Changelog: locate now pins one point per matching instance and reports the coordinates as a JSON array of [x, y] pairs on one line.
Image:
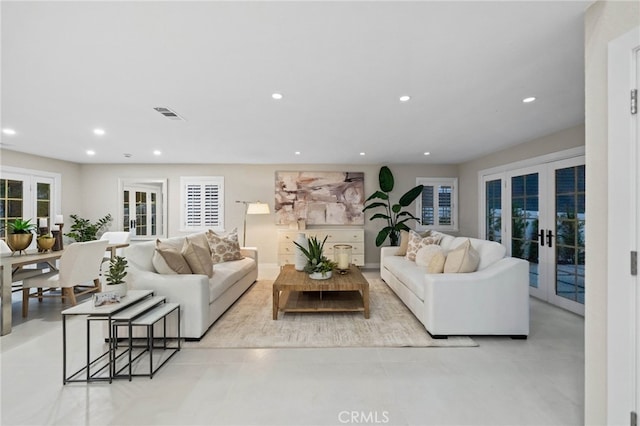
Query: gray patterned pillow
[[224, 248]]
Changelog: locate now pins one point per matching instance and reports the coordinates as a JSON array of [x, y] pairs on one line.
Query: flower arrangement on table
[[318, 266]]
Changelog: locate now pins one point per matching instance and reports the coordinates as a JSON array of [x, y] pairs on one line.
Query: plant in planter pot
[[115, 275], [318, 266], [45, 242], [395, 217], [84, 230], [20, 234]]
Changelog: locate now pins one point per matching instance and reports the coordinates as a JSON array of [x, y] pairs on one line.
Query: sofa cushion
[[224, 248], [446, 240], [408, 273], [462, 259], [417, 241], [226, 274], [174, 259], [198, 256], [160, 265]]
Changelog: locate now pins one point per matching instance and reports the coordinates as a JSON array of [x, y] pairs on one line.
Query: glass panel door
[[140, 212], [493, 210]]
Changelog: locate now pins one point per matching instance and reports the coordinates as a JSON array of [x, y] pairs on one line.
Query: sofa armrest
[[190, 291], [251, 252]]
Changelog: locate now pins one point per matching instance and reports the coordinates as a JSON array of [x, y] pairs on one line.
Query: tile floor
[[539, 381]]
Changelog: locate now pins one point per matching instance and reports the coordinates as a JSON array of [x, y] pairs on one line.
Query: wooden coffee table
[[340, 293]]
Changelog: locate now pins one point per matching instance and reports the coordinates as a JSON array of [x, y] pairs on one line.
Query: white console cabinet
[[354, 237]]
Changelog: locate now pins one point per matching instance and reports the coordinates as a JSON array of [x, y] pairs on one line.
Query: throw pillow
[[416, 241], [436, 264], [404, 241], [160, 264], [198, 257], [463, 258], [224, 249], [173, 257], [426, 253]]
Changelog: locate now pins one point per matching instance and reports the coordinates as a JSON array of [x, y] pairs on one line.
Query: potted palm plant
[[318, 266], [20, 234], [395, 217], [115, 275]]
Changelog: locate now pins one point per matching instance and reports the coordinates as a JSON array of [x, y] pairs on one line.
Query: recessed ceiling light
[[277, 96], [427, 153], [362, 153], [10, 132], [157, 152], [297, 152], [404, 98], [99, 132], [529, 99], [91, 152]]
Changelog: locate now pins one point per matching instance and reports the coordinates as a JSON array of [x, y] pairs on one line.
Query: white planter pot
[[320, 276], [120, 289]]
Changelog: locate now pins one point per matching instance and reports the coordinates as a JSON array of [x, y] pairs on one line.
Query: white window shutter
[[203, 203]]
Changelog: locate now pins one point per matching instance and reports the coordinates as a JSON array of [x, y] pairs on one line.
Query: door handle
[[541, 238], [549, 238]]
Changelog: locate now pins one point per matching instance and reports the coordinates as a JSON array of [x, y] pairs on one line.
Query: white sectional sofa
[[202, 299], [494, 300]]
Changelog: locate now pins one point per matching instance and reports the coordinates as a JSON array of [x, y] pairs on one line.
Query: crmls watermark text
[[363, 417]]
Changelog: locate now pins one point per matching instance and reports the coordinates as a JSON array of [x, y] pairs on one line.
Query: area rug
[[249, 324]]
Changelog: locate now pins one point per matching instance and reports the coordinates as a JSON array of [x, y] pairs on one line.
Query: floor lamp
[[252, 207]]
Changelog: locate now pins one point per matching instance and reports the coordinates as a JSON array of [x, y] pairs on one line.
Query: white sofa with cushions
[[492, 300], [202, 298]]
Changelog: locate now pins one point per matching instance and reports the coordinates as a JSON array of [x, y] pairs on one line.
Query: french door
[[142, 216], [538, 213]]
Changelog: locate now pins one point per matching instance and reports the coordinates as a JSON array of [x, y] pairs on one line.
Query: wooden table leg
[[365, 301], [276, 302]]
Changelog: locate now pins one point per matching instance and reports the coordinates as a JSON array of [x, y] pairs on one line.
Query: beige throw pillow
[[173, 257], [160, 264], [404, 241], [436, 264], [463, 258], [416, 242], [198, 257], [426, 253], [224, 248]]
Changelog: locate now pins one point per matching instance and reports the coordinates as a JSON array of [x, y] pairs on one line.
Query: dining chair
[[79, 268], [115, 237]]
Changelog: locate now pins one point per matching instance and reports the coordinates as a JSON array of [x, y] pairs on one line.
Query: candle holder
[[57, 234], [342, 256]]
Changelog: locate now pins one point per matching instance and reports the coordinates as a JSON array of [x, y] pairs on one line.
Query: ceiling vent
[[172, 115]]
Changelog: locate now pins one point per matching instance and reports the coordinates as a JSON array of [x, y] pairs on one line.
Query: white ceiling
[[70, 67]]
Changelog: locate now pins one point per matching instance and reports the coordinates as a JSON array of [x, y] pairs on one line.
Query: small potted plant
[[45, 242], [115, 275], [318, 266], [20, 234]]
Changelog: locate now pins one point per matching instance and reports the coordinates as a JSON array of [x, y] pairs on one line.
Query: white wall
[[99, 186], [468, 172], [604, 21]]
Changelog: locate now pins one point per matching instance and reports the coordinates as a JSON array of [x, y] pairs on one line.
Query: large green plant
[[395, 217], [83, 230]]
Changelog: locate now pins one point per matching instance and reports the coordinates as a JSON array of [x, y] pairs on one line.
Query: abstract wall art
[[320, 198]]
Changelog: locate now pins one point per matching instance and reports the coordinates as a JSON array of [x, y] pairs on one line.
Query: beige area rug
[[248, 324]]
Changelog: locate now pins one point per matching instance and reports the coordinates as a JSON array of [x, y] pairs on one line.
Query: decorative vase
[[19, 242], [321, 275], [45, 243], [119, 289], [300, 259], [342, 257]]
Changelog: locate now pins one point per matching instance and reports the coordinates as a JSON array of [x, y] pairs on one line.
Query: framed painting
[[319, 198]]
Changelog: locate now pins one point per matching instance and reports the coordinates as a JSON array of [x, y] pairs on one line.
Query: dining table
[[13, 262]]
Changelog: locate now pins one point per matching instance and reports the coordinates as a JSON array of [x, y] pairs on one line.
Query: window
[[27, 194], [437, 207], [202, 203]]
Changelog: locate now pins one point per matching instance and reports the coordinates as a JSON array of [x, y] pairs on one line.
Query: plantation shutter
[[203, 203]]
